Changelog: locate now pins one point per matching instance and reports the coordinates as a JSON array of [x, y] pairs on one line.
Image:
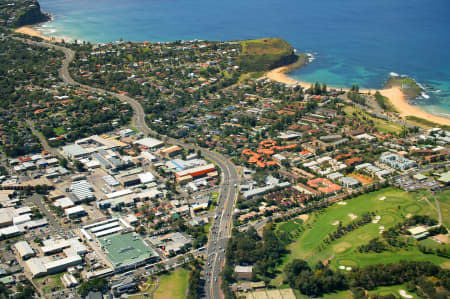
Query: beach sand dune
[[395, 95]]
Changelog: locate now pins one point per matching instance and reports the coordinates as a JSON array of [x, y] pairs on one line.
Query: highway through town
[[221, 228]]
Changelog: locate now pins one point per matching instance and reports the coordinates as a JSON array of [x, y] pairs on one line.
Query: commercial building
[[75, 212], [69, 280], [130, 180], [45, 266], [196, 171], [127, 251], [150, 143], [82, 190], [68, 254], [146, 177], [24, 249], [171, 151], [64, 203], [52, 246], [75, 151]]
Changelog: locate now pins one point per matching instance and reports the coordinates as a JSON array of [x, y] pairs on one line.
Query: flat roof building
[[24, 249], [75, 151], [125, 251], [75, 212], [196, 171], [150, 143]]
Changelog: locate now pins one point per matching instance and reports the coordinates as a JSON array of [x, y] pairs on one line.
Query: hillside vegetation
[[265, 54]]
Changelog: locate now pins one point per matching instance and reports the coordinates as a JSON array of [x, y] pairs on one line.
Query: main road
[[221, 228]]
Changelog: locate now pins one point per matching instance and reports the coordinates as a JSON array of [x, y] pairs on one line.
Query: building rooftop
[[126, 249], [149, 142]]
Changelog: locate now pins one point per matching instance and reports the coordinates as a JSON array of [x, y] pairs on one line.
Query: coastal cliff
[[31, 15], [266, 54], [15, 14]]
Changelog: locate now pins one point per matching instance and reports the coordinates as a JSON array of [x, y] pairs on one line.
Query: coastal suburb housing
[[194, 167]]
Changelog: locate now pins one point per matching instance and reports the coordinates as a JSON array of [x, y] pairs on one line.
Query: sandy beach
[[394, 94], [33, 32]]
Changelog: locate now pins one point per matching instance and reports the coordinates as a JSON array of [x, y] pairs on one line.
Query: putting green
[[388, 219], [347, 262], [412, 208]]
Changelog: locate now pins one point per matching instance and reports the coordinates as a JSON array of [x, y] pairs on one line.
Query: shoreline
[[394, 94], [31, 31]]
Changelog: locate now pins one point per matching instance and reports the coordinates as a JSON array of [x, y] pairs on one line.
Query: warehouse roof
[[149, 142], [74, 150], [24, 249]]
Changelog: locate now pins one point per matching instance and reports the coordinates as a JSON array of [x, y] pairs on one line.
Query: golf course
[[389, 206]]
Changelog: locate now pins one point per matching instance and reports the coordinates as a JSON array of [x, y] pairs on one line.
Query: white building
[[24, 249]]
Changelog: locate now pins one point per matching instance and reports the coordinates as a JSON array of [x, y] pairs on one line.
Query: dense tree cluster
[[247, 248], [322, 279], [94, 285], [23, 291], [314, 282], [195, 284]]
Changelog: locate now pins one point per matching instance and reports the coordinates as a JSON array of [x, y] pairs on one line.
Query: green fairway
[[444, 202], [173, 285], [343, 251]]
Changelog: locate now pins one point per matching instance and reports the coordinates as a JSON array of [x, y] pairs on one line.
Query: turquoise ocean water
[[353, 41]]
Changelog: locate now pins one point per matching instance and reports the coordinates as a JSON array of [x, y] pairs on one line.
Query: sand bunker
[[382, 198], [352, 216], [404, 294], [303, 217], [377, 219], [335, 223], [342, 203]]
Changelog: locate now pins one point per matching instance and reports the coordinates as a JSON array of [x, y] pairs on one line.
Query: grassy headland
[[421, 122], [409, 86], [266, 54]]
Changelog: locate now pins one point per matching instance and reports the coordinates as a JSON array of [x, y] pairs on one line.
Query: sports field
[[173, 285], [394, 208], [124, 249]]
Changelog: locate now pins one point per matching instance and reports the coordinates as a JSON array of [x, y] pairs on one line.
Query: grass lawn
[[380, 124], [51, 283], [343, 251], [173, 285]]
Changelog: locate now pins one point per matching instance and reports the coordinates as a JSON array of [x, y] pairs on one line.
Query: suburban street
[[221, 228]]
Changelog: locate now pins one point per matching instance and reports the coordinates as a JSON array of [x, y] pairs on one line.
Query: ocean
[[353, 41]]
